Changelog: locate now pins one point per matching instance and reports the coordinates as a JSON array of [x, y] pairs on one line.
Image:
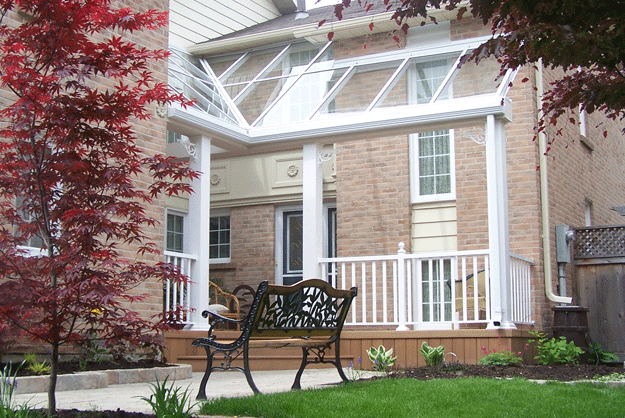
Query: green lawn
[[412, 398]]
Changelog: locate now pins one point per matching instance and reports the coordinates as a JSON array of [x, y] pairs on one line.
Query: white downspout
[[544, 194]]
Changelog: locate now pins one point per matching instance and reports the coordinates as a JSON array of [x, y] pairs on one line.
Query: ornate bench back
[[309, 308]]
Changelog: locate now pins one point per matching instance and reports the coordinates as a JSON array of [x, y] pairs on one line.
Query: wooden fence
[[599, 272]]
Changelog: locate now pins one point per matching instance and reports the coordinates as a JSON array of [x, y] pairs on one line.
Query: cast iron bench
[[309, 314]]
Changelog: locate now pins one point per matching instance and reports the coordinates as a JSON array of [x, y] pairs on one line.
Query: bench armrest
[[217, 318]]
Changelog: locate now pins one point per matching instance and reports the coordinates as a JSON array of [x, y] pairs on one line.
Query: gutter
[[544, 195]]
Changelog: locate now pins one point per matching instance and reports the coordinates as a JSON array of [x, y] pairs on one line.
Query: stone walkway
[[221, 384]]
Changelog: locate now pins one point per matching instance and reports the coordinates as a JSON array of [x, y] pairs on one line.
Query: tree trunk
[[54, 368]]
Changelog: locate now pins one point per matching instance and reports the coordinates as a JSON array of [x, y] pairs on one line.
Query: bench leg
[[298, 376], [337, 361], [246, 368], [201, 395]]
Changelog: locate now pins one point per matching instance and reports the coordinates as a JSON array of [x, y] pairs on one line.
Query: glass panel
[[357, 93], [175, 236], [429, 76], [472, 80], [294, 235], [434, 163], [221, 64], [219, 236], [398, 94], [251, 66], [186, 77], [426, 186], [259, 97], [301, 97], [440, 282]]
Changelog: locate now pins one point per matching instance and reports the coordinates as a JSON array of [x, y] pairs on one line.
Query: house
[[349, 159], [329, 157]]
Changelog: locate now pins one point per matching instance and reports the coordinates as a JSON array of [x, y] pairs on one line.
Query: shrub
[[501, 358], [555, 351]]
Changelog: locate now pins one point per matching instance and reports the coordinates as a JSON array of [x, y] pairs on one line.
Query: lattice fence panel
[[599, 242]]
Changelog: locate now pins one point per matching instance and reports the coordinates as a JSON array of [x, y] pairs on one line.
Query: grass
[[471, 397]]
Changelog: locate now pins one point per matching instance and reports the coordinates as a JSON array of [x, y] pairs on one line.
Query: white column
[[199, 230], [498, 235], [312, 248]]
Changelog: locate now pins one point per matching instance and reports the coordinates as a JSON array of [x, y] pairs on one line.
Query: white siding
[[195, 21]]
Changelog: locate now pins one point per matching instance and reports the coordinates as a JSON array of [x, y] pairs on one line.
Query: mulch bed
[[563, 373]]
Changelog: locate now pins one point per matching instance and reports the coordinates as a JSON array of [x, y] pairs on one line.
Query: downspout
[[544, 194]]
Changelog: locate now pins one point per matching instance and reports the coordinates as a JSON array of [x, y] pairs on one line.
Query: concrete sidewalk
[[221, 384]]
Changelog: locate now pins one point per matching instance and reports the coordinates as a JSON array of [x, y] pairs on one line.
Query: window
[[173, 137], [434, 160], [429, 76], [175, 233], [219, 246], [35, 241], [431, 153]]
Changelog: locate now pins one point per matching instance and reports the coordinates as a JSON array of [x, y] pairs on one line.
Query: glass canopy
[[302, 81]]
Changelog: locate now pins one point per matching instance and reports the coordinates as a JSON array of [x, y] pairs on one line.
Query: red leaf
[[330, 36]]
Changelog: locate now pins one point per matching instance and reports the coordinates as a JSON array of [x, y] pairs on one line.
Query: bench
[[309, 314]]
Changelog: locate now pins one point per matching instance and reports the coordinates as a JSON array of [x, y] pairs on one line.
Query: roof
[[355, 22]]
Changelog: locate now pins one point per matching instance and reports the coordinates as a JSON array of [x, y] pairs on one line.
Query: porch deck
[[466, 344]]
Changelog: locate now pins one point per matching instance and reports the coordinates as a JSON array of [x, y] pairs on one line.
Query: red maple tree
[[73, 181]]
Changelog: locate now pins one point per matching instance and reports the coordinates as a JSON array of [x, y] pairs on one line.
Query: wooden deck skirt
[[467, 346]]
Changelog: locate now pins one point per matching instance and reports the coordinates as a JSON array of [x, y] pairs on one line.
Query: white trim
[[467, 111]]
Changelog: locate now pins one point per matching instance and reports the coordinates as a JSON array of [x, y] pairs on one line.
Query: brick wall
[[151, 138], [373, 198], [252, 248]]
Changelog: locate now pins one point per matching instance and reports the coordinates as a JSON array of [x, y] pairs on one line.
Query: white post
[[312, 234], [199, 231], [498, 235], [401, 284]]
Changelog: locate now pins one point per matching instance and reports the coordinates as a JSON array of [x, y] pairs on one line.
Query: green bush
[[434, 356], [555, 351], [501, 358]]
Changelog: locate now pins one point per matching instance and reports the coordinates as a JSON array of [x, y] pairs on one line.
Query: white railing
[[520, 289], [426, 291], [176, 296]]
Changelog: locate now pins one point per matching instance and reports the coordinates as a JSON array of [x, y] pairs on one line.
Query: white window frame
[[221, 213], [415, 195]]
